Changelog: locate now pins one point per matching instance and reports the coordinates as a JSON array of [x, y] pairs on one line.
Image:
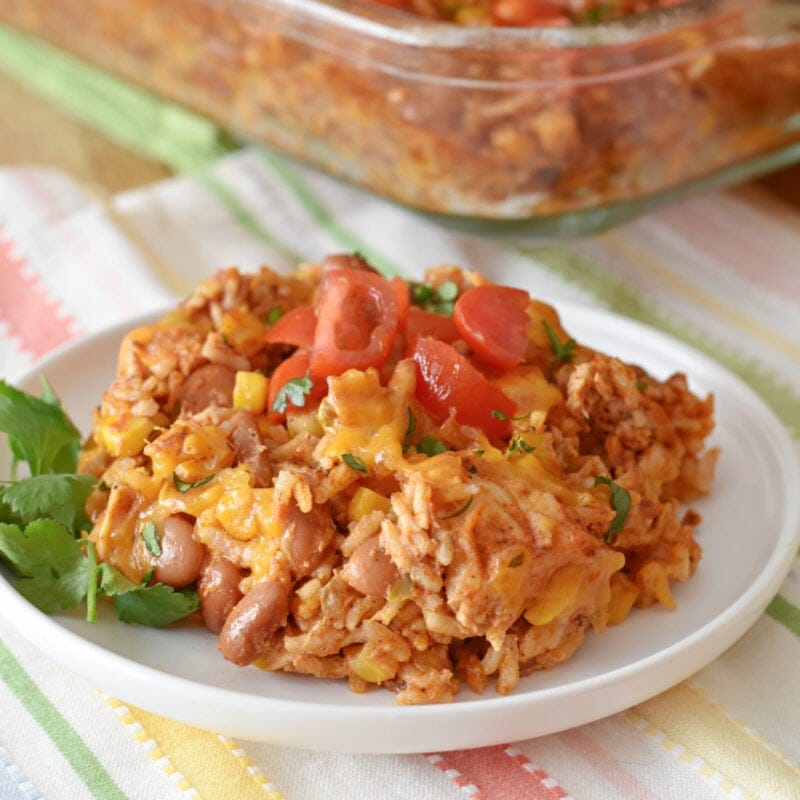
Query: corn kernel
[[370, 669], [509, 577], [141, 481], [558, 595], [653, 576], [401, 589], [235, 512], [366, 501], [244, 512], [623, 595], [250, 391], [301, 421], [267, 518], [123, 435], [204, 451], [540, 312], [243, 331]]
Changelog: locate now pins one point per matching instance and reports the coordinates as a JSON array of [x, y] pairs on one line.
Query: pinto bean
[[181, 556], [253, 620], [305, 537], [218, 589], [209, 385], [249, 446], [369, 569]]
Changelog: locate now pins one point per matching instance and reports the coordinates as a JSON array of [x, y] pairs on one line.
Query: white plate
[[749, 536]]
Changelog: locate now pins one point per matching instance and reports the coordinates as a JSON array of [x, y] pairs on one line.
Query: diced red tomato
[[357, 322], [528, 12], [447, 383], [403, 302], [493, 322], [294, 327], [296, 366], [426, 323]]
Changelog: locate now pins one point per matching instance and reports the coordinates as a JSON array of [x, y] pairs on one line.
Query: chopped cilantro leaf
[[620, 502], [641, 385], [150, 536], [440, 299], [294, 391], [184, 486], [447, 291], [410, 428], [498, 414], [431, 446], [562, 351], [354, 462], [599, 13], [518, 443], [421, 293], [460, 510], [274, 315]]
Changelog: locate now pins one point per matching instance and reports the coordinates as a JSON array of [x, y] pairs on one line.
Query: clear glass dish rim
[[391, 26]]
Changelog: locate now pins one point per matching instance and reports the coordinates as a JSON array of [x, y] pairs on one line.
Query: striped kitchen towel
[[719, 271]]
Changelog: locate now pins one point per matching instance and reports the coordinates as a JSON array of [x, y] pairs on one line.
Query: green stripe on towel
[[128, 115], [62, 734], [325, 219], [781, 610], [246, 220]]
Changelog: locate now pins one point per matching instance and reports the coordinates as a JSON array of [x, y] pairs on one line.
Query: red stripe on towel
[[497, 773], [606, 765], [32, 317]]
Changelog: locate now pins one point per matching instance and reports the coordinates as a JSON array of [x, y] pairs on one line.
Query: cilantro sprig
[[39, 431], [49, 562], [42, 516], [60, 497], [41, 435]]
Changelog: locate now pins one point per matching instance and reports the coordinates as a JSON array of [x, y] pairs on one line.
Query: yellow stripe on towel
[[207, 766], [735, 317], [727, 746]]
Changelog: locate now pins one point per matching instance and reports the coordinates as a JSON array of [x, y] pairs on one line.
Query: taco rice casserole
[[400, 484]]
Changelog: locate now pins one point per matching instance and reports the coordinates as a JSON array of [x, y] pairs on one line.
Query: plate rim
[[722, 630]]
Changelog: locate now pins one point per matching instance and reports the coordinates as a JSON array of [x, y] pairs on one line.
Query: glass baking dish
[[542, 130]]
